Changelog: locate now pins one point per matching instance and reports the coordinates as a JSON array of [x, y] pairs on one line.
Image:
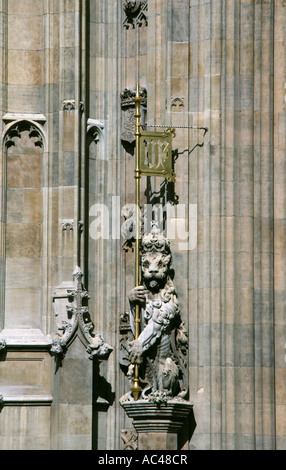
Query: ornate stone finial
[[161, 348], [78, 322]]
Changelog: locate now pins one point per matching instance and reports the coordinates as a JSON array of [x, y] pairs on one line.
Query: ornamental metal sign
[[156, 154]]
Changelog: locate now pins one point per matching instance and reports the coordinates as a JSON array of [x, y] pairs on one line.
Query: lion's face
[[155, 268]]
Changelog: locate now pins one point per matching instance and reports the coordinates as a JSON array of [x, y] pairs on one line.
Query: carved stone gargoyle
[[74, 320], [161, 348]]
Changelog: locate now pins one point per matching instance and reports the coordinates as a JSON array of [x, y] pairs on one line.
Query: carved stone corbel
[[67, 224], [69, 105], [177, 103], [75, 321], [95, 128]]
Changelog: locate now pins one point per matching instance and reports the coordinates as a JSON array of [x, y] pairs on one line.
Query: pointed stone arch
[[16, 125], [22, 222]]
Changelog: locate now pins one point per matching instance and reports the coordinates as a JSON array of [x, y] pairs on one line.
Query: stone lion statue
[[161, 348]]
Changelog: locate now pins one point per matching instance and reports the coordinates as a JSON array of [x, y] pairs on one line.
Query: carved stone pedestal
[[163, 426]]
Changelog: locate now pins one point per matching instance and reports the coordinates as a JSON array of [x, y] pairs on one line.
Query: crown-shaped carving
[[155, 242], [127, 97]]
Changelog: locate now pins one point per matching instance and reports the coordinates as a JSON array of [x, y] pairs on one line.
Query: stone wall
[[68, 70]]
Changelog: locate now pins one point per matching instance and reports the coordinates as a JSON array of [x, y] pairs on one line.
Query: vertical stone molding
[[279, 213], [231, 88]]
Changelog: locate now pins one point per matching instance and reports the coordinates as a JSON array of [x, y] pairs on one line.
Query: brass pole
[[136, 389]]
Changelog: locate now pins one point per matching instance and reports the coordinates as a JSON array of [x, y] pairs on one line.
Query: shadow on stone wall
[[103, 398], [188, 430]]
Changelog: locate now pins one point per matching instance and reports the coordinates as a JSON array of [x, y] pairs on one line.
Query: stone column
[[3, 110], [231, 272], [280, 218], [106, 187]]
